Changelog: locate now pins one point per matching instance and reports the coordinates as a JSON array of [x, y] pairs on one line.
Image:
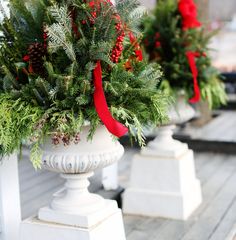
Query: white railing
[[10, 211]]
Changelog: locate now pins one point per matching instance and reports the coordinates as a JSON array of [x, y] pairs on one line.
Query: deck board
[[221, 128], [212, 216], [226, 224]]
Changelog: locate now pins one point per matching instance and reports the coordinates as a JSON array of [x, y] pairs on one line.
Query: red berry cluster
[[146, 42], [73, 16], [95, 7], [45, 37], [137, 49], [92, 19], [118, 48], [157, 40]]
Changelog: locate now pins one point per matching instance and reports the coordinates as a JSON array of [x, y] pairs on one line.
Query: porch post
[[10, 211]]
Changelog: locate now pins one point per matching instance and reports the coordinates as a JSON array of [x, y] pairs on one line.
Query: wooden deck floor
[[215, 219], [221, 128]]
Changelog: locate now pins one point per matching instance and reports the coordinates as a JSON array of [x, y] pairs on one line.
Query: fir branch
[[36, 155], [58, 39], [62, 17]]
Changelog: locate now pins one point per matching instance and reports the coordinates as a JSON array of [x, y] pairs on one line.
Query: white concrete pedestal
[[163, 181], [75, 213]]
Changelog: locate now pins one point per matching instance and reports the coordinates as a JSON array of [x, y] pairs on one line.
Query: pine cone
[[37, 52]]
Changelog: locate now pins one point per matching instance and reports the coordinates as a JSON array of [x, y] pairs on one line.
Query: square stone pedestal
[[163, 185], [108, 228]]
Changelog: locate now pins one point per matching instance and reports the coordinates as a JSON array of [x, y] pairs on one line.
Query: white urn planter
[[74, 212], [163, 181]]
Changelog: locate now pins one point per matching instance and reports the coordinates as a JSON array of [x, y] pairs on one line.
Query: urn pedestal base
[[163, 181], [107, 229], [83, 220], [74, 213]]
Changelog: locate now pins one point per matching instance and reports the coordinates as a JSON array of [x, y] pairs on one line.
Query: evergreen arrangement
[[176, 40], [64, 62]]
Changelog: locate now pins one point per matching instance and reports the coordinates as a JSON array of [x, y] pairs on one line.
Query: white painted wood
[[10, 211], [110, 177]]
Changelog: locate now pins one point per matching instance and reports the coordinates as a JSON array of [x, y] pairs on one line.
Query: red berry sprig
[[118, 48], [65, 139], [45, 39], [73, 16]]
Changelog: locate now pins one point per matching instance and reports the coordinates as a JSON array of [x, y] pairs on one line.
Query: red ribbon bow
[[188, 11], [113, 126], [192, 63]]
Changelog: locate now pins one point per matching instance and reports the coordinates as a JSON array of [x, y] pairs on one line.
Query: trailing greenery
[[166, 43], [48, 53]]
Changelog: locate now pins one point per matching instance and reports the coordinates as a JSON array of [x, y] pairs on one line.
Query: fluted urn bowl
[[84, 157]]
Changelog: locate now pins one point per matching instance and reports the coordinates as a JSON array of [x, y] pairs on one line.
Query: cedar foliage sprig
[[60, 100], [166, 44]]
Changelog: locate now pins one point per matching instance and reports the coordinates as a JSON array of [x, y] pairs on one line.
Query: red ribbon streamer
[[113, 126], [191, 59]]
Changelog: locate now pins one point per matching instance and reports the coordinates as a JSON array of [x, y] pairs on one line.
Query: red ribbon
[[192, 63], [112, 125]]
